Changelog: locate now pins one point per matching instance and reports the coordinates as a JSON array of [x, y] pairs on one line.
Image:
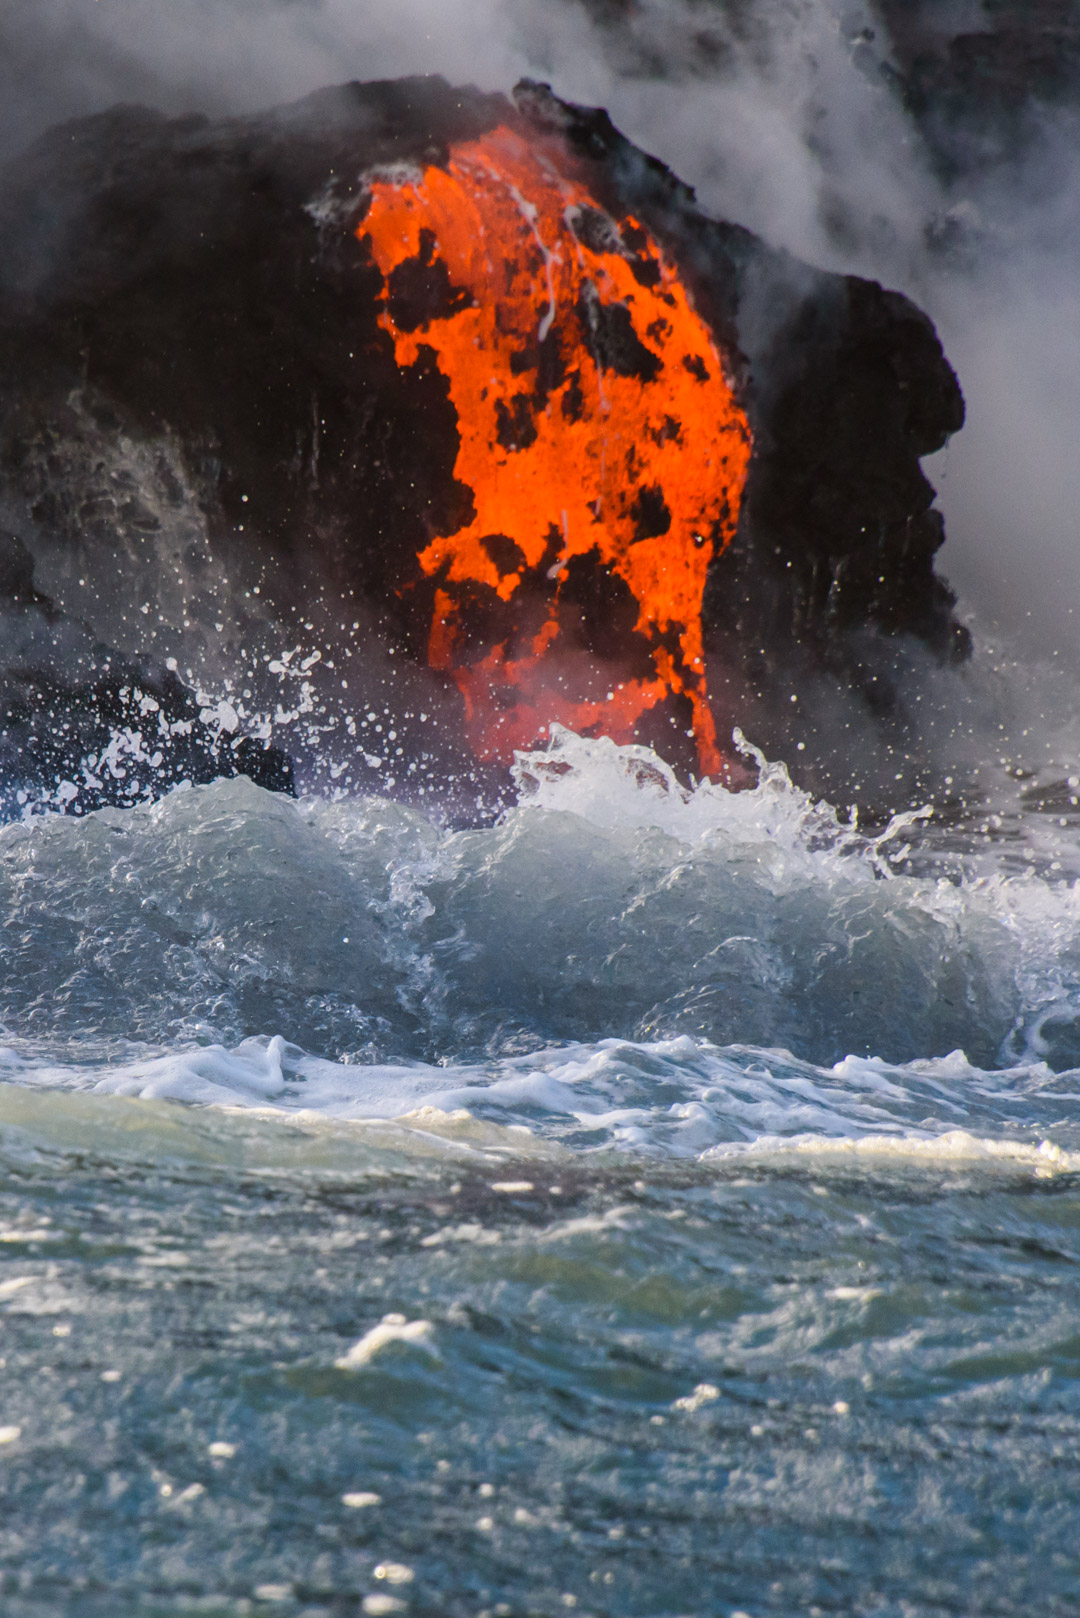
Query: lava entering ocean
[[602, 451], [470, 443]]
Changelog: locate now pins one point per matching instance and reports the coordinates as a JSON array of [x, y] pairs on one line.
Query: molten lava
[[601, 444]]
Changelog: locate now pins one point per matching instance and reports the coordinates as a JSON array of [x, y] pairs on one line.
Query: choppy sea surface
[[654, 1203]]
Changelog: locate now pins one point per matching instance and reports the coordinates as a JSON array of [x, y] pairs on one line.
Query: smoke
[[775, 112], [785, 116], [66, 58]]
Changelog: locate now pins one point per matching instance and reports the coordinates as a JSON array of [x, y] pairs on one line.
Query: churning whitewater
[[618, 962]]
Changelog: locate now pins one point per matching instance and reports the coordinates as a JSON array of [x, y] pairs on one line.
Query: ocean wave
[[610, 902]]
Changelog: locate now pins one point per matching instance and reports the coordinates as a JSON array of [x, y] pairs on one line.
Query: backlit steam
[[602, 451]]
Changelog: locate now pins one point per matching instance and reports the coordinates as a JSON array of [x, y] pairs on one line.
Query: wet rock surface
[[82, 726]]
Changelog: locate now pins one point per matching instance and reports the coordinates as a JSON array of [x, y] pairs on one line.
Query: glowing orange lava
[[600, 439]]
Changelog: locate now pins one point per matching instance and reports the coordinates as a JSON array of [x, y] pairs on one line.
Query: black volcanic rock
[[117, 734], [82, 726], [980, 79], [181, 307]]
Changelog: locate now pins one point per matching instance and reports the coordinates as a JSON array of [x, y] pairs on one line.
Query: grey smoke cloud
[[65, 58], [776, 112], [768, 109]]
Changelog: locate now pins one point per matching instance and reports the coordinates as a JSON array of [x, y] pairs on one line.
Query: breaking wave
[[617, 963]]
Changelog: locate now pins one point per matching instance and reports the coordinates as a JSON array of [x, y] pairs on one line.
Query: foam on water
[[678, 1098], [618, 964]]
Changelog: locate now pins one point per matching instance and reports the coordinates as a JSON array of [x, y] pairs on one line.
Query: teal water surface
[[657, 1203]]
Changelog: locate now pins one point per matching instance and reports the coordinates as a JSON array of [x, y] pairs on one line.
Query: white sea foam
[[678, 1098], [954, 1148], [392, 1329]]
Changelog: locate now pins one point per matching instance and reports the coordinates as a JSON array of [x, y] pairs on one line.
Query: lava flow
[[600, 444]]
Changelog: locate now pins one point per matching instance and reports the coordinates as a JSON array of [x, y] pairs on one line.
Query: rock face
[[980, 78], [84, 726], [457, 404]]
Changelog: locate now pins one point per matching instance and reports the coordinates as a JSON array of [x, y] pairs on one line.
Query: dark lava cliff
[[215, 469]]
